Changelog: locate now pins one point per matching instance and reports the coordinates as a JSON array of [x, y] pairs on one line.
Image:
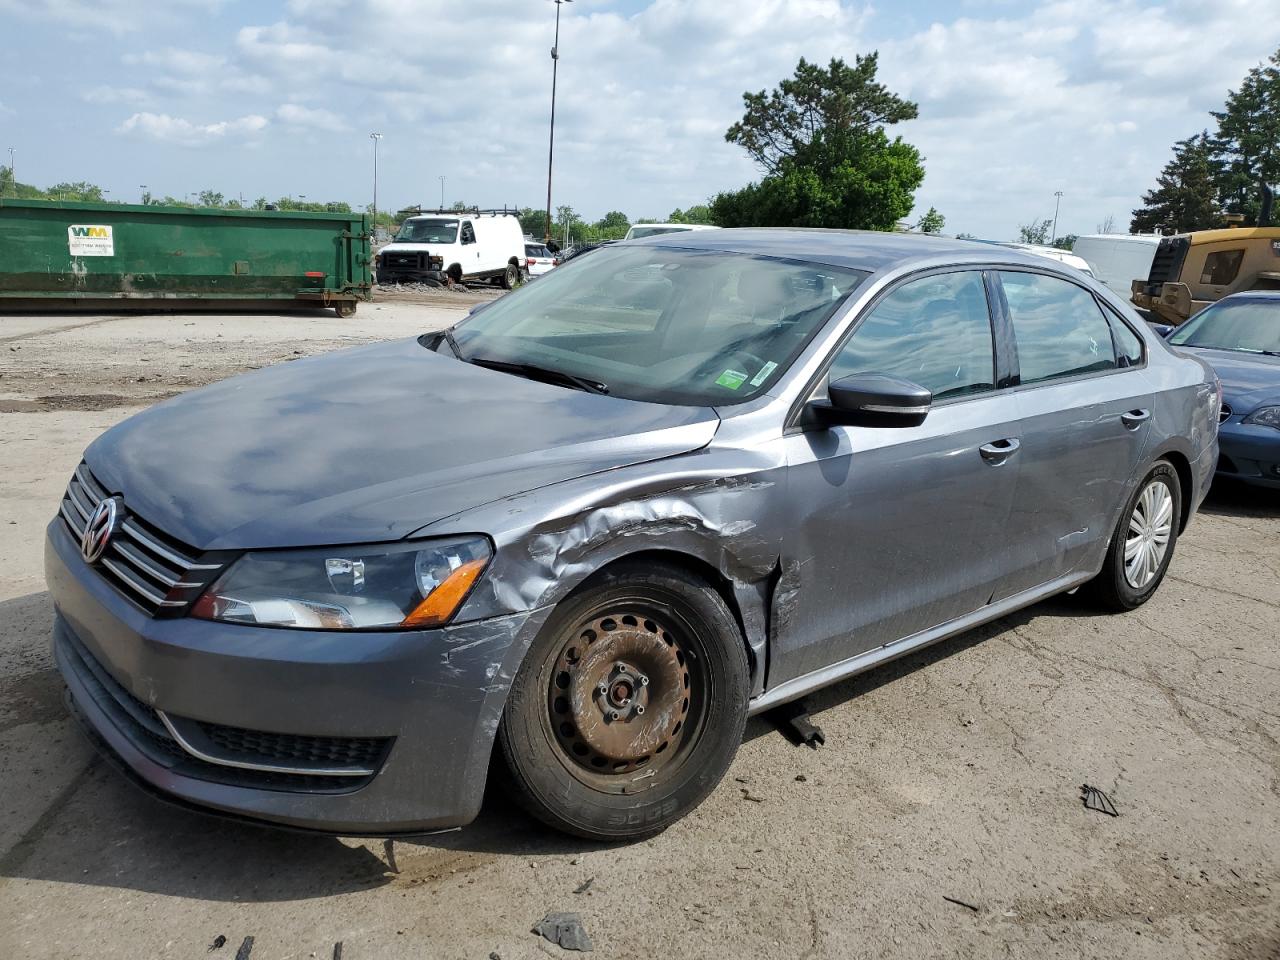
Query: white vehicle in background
[[657, 229], [448, 246], [1054, 253], [538, 259], [1116, 258]]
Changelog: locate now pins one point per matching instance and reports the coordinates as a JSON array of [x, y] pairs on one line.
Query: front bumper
[[417, 711], [1249, 452]]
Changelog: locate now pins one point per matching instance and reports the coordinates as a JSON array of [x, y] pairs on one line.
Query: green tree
[[965, 236], [212, 198], [827, 160], [1186, 191], [1246, 149], [698, 213], [1067, 242], [614, 220], [931, 222], [533, 222], [1036, 232]]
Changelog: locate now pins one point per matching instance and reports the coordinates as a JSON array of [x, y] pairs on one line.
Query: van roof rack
[[473, 211]]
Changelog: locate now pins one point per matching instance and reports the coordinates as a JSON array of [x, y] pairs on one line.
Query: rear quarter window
[[1059, 328], [1222, 267]]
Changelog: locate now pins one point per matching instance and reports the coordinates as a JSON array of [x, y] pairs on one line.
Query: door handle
[[1133, 419], [998, 451]]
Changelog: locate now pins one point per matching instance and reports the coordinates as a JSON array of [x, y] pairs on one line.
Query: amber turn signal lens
[[446, 598]]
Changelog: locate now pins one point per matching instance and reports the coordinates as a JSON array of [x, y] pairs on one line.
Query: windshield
[[663, 324], [428, 231], [635, 233], [1251, 326]]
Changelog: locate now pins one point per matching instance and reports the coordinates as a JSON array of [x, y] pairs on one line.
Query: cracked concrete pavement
[[952, 773]]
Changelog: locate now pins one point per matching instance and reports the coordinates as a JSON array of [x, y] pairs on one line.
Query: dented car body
[[834, 540]]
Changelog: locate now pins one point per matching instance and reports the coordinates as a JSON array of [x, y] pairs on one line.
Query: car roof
[[869, 250], [1253, 295]]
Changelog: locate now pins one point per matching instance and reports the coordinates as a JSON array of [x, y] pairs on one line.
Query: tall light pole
[[1057, 199], [143, 188], [441, 192], [551, 149], [375, 137], [13, 177]]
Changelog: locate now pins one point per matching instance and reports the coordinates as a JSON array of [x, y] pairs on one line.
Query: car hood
[[367, 445], [415, 247], [1248, 379]]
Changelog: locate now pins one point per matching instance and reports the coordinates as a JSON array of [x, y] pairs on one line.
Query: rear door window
[[1059, 328], [935, 331]]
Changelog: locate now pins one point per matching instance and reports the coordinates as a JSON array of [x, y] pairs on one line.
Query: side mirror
[[480, 306], [1161, 329], [875, 400]]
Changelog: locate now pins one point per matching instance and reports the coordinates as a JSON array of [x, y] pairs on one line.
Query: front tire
[[629, 707], [1143, 542]]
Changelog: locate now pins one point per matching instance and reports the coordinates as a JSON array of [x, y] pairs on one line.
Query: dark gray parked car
[[607, 517]]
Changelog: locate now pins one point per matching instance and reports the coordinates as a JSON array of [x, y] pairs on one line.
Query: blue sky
[[1017, 99]]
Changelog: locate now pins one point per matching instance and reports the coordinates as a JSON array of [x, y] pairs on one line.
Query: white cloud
[[164, 128], [109, 94], [113, 16], [293, 115], [175, 60]]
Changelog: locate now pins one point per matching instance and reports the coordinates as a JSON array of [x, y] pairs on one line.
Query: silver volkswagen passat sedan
[[604, 519]]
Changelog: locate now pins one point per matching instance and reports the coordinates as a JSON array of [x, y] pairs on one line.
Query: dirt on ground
[[942, 819]]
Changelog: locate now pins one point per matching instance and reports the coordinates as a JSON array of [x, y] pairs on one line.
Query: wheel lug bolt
[[644, 681], [613, 714], [639, 710], [603, 688]]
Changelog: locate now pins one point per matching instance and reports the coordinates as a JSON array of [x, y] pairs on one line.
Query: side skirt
[[802, 686]]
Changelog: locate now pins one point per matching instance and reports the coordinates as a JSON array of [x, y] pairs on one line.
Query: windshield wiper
[[534, 372], [447, 336]]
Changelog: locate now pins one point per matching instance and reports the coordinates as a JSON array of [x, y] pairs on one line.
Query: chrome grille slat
[[145, 567], [137, 586], [145, 540], [139, 560], [76, 525], [91, 486], [74, 492]]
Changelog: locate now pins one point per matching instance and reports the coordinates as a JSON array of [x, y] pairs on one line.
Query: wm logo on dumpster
[[90, 240]]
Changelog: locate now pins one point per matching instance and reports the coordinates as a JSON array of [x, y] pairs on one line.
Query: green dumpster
[[108, 255]]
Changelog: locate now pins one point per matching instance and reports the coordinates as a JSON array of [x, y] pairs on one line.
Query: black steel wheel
[[630, 705], [510, 277], [345, 308]]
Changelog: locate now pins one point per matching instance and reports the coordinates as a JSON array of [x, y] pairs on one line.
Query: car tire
[[510, 277], [1142, 545], [630, 705]]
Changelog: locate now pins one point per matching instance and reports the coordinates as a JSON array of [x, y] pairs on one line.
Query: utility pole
[[1057, 195], [13, 176], [143, 188], [375, 137], [441, 193], [551, 149]]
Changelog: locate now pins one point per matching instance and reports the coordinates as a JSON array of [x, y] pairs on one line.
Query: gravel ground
[[954, 773]]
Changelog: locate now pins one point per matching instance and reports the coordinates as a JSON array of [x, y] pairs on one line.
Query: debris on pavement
[[218, 943], [748, 795], [246, 948], [337, 950], [583, 888], [566, 930], [793, 721], [1095, 799], [389, 848], [960, 903]]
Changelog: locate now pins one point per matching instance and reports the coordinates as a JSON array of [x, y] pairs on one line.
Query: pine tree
[[1247, 145], [1185, 197]]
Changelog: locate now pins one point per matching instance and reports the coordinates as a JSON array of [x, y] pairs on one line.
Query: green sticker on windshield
[[763, 375], [731, 379]]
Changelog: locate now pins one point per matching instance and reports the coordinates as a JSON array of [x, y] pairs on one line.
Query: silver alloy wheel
[[1150, 527]]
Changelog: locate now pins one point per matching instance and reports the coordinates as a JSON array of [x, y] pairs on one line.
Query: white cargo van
[[442, 247], [1117, 258]]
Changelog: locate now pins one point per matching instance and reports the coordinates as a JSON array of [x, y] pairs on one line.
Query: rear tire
[[345, 308], [1143, 542], [629, 707], [510, 277]]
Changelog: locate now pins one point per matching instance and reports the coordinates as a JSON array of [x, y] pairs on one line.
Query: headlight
[[407, 585], [1265, 416]]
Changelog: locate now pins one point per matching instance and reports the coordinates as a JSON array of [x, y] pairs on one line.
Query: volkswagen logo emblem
[[99, 530]]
